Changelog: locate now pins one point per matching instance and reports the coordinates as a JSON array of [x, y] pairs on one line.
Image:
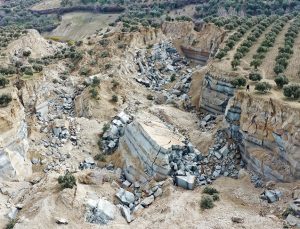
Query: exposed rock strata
[[270, 131], [149, 141], [216, 93], [13, 141]]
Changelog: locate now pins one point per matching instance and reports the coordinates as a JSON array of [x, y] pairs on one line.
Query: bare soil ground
[[176, 208], [78, 25], [47, 4]]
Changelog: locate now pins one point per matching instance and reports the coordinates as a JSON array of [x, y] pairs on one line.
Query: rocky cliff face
[[13, 141], [270, 134], [216, 92], [268, 130]]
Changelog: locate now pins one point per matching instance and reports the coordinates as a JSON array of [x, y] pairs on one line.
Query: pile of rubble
[[207, 122], [180, 90], [191, 167], [110, 138], [271, 195], [88, 163], [131, 199], [293, 213], [157, 68]]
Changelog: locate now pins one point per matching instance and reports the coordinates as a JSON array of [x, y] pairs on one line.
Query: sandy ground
[[176, 208], [47, 4], [78, 25]]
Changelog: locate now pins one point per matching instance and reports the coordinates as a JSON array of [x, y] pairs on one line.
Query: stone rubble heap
[[110, 138], [156, 68], [271, 195], [207, 122], [88, 163], [134, 199], [131, 198], [180, 90], [293, 215], [191, 167], [100, 211], [56, 118]]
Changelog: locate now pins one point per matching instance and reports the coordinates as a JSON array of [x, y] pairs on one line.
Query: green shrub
[[94, 93], [173, 78], [221, 54], [26, 53], [150, 97], [210, 190], [121, 46], [292, 91], [95, 82], [105, 127], [235, 63], [3, 81], [11, 224], [104, 42], [37, 67], [28, 71], [115, 84], [100, 157], [67, 181], [114, 98], [104, 54], [263, 87], [84, 71], [107, 66], [256, 63], [206, 202], [216, 197], [255, 77], [239, 82], [281, 80], [5, 99]]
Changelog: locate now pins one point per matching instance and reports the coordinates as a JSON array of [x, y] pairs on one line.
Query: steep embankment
[[267, 129], [195, 42], [270, 130]]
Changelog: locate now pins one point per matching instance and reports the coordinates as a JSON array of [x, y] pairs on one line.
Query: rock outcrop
[[216, 92], [269, 131], [148, 140], [13, 141]]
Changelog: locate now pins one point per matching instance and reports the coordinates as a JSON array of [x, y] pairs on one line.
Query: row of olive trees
[[286, 51], [236, 37], [291, 91], [249, 7], [229, 23], [268, 42], [244, 48]]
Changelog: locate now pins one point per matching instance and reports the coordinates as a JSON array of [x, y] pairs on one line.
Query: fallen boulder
[[125, 197], [187, 182]]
